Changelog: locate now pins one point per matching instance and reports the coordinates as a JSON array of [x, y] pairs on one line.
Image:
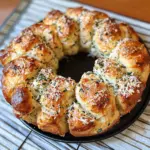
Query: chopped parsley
[[41, 77], [64, 90], [99, 130], [129, 73], [96, 93], [81, 90]]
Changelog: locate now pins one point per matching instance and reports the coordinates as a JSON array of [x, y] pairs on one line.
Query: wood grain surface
[[6, 7], [139, 9]]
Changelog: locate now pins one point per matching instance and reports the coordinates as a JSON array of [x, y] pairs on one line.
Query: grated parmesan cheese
[[128, 85], [102, 94], [50, 111], [80, 115]]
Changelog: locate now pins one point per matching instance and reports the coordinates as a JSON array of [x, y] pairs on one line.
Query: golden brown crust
[[68, 32], [93, 94], [109, 70], [83, 124], [96, 110], [128, 32], [134, 56], [32, 116], [107, 35], [52, 17], [80, 123], [49, 124], [57, 97], [40, 82], [25, 40], [21, 100], [19, 46], [24, 106], [87, 21], [75, 13], [17, 72], [4, 56], [128, 86], [134, 50], [49, 35], [27, 44], [130, 90]]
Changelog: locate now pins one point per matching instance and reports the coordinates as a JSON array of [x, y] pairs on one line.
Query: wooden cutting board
[[139, 9]]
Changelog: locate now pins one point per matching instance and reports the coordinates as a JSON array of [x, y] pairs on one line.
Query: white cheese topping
[[81, 115], [128, 85], [50, 111]]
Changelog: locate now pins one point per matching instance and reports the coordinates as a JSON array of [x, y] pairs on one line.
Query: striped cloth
[[14, 135]]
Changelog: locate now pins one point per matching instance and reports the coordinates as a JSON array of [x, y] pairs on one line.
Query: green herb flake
[[129, 73], [41, 77], [99, 130], [44, 83], [81, 90], [64, 90], [96, 93]]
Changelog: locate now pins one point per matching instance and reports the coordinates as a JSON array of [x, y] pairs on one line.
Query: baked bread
[[108, 34], [96, 110], [28, 44], [67, 30], [55, 101], [57, 104], [49, 35], [128, 86], [18, 72], [86, 20]]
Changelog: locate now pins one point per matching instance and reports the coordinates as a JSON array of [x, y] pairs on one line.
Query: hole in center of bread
[[75, 66]]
